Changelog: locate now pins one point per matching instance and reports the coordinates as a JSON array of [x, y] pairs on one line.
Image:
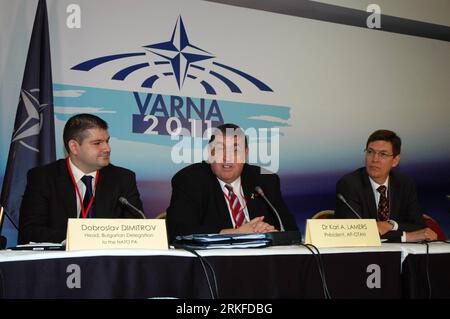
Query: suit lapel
[[248, 186], [104, 196], [223, 215], [66, 191], [394, 206], [368, 193]]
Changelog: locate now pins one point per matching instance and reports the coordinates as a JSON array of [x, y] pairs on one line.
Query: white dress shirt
[[377, 195], [237, 189], [78, 174]]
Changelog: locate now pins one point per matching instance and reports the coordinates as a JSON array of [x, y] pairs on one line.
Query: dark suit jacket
[[198, 205], [404, 204], [50, 199]]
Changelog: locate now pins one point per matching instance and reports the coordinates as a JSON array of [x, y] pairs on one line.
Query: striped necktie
[[235, 205]]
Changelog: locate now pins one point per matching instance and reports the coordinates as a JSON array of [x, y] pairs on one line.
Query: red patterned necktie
[[383, 205], [235, 205]]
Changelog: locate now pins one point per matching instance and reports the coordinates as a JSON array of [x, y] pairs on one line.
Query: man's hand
[[421, 234], [256, 225], [384, 227]]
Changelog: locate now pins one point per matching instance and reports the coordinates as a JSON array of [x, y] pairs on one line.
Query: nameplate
[[342, 233], [106, 233]]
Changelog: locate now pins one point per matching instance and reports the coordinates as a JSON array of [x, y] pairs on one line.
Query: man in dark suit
[[220, 197], [83, 185], [376, 191]]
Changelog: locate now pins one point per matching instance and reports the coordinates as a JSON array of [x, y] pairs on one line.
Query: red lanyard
[[84, 212]]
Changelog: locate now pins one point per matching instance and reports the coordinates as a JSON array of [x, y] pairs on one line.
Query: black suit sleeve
[[411, 218], [35, 210], [352, 197], [277, 201], [131, 193], [185, 213], [408, 216]]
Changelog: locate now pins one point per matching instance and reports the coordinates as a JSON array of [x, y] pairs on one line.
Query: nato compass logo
[[182, 64], [180, 59], [31, 120]]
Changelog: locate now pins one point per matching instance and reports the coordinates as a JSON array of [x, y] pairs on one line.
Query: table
[[272, 272], [416, 282]]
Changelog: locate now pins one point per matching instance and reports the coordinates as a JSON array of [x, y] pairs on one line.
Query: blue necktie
[[87, 180]]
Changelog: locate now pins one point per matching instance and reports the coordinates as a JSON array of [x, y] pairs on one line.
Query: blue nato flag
[[33, 138]]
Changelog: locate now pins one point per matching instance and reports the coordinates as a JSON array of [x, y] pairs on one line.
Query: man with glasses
[[219, 196], [376, 191]]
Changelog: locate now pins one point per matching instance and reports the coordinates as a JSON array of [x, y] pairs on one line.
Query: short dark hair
[[388, 136], [76, 126], [223, 129]]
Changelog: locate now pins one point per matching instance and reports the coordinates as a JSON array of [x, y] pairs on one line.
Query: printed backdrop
[[152, 68]]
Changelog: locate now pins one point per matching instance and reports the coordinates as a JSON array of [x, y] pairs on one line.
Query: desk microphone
[[342, 198], [125, 202], [259, 190]]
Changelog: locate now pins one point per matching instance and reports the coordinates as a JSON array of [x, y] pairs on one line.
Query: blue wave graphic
[[117, 108], [90, 64], [122, 74], [260, 85], [180, 55], [233, 87], [148, 83]]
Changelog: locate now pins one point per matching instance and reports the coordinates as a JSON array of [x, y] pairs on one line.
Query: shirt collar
[[236, 184], [78, 173], [375, 185]]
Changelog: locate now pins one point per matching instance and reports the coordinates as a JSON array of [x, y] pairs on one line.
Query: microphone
[[282, 237], [342, 198], [448, 197], [125, 202], [259, 190]]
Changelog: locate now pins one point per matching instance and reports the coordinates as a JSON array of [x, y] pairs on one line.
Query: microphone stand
[[282, 237]]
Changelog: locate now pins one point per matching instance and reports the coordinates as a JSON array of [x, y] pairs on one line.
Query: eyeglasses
[[371, 153]]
